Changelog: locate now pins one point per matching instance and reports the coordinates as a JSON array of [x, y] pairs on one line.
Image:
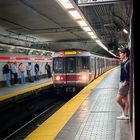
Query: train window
[[82, 64], [70, 64], [76, 64], [85, 62], [58, 64]]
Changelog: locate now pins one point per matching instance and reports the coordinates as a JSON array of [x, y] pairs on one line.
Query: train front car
[[71, 70]]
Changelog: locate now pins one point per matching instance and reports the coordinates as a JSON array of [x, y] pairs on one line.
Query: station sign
[[95, 2]]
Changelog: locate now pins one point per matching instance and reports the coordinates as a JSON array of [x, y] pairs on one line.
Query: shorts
[[123, 90]]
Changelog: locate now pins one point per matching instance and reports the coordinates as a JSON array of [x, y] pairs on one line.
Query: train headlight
[[59, 78], [84, 77]]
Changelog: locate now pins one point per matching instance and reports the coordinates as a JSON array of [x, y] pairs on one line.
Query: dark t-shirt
[[36, 67], [124, 76], [6, 69]]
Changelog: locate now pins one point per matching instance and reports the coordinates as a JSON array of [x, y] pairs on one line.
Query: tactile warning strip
[[100, 122]]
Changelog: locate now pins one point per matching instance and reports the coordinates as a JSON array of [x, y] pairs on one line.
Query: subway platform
[[90, 115], [20, 89]]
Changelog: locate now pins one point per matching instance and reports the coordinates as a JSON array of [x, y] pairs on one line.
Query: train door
[[101, 65], [74, 66], [105, 61], [95, 66], [100, 59], [99, 69], [92, 68], [70, 70]]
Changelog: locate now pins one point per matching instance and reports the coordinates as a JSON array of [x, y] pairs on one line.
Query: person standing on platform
[[48, 68], [122, 96], [15, 72], [36, 68], [22, 73], [6, 72], [29, 69]]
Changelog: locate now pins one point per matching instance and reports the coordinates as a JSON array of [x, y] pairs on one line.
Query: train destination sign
[[70, 52]]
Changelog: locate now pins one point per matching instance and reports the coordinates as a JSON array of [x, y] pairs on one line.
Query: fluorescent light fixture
[[82, 23], [101, 44], [75, 14], [91, 33], [125, 31], [98, 41], [93, 36], [66, 4], [87, 29], [113, 54]]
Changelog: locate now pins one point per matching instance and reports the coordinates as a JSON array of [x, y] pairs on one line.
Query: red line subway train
[[76, 68]]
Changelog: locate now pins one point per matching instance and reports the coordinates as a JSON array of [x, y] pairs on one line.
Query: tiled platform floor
[[96, 117]]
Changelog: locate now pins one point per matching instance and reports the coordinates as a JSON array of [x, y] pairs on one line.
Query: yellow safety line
[[52, 126], [9, 95]]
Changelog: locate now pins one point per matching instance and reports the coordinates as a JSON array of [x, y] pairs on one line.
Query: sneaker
[[122, 117], [16, 84]]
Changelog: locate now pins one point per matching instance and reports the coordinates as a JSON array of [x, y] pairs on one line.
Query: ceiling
[[44, 24]]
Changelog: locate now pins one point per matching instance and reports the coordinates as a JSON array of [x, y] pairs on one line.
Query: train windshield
[[70, 64], [76, 64], [58, 65]]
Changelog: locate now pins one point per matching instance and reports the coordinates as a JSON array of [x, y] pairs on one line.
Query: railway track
[[22, 117]]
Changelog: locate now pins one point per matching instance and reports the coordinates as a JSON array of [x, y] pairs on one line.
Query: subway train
[[4, 58], [74, 69]]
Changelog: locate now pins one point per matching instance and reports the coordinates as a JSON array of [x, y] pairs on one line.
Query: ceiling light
[[70, 6], [101, 44], [125, 31], [87, 29], [66, 4], [98, 41], [75, 14], [91, 33], [93, 36], [113, 54], [82, 23]]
